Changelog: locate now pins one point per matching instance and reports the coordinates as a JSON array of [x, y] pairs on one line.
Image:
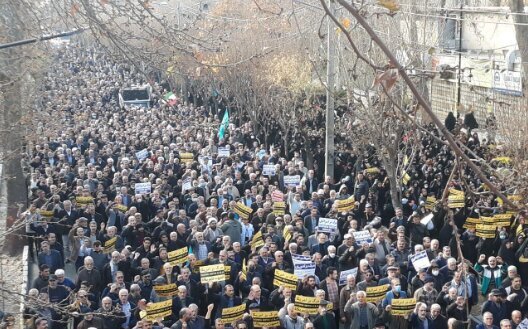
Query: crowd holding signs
[[167, 224]]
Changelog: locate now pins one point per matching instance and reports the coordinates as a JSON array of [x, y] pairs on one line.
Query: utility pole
[[459, 85], [330, 95]]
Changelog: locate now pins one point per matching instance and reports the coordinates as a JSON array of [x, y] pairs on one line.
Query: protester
[[144, 205]]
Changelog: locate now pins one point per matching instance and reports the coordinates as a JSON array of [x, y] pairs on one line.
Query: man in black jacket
[[439, 321], [255, 301], [324, 319], [181, 301], [111, 317], [225, 300]]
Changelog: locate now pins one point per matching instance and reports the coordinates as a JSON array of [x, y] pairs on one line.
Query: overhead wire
[[459, 19], [436, 46], [375, 5], [224, 18], [466, 9]]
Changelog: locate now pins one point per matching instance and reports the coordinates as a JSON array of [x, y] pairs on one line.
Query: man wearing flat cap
[[427, 294], [325, 319], [498, 305]]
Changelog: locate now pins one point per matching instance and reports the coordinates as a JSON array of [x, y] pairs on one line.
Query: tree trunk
[[389, 162], [13, 84]]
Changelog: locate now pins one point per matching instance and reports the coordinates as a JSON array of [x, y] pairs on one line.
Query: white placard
[[303, 269], [143, 188], [292, 180], [362, 237], [141, 155], [343, 275], [426, 219], [224, 151], [205, 161], [327, 225], [420, 260], [297, 259], [187, 184], [268, 170]]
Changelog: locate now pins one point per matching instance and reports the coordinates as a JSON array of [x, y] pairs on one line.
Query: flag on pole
[[170, 98], [223, 125]]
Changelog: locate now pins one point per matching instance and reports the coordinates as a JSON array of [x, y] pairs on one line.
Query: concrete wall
[[486, 32]]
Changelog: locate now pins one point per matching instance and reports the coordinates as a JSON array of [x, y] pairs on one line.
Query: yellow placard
[[46, 214], [487, 220], [186, 157], [471, 223], [158, 310], [212, 273], [265, 319], [232, 314], [84, 199], [373, 170], [257, 241], [502, 220], [308, 305], [345, 205], [285, 279], [227, 272], [405, 178], [197, 265], [503, 160], [376, 294], [242, 210], [178, 256], [453, 191], [109, 245], [486, 230], [166, 290], [121, 207], [279, 208], [456, 200], [430, 202], [286, 234], [402, 306]]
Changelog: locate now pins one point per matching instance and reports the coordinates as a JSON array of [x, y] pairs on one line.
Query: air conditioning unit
[[446, 72]]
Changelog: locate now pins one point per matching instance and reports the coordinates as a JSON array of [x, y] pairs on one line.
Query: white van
[[135, 96]]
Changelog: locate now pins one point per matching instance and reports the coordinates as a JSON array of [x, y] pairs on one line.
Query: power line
[[465, 10], [43, 38], [445, 17], [433, 16]]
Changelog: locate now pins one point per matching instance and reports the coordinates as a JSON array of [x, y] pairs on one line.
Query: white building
[[491, 71]]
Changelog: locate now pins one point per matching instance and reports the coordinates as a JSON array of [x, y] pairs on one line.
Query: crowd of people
[[116, 193]]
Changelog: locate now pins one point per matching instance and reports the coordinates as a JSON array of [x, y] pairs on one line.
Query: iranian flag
[[170, 98]]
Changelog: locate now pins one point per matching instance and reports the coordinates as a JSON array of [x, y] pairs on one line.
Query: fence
[[510, 110]]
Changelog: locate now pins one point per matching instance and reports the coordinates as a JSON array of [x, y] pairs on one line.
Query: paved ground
[[34, 271], [11, 279]]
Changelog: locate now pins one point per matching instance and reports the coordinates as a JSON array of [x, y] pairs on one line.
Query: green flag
[[223, 125]]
